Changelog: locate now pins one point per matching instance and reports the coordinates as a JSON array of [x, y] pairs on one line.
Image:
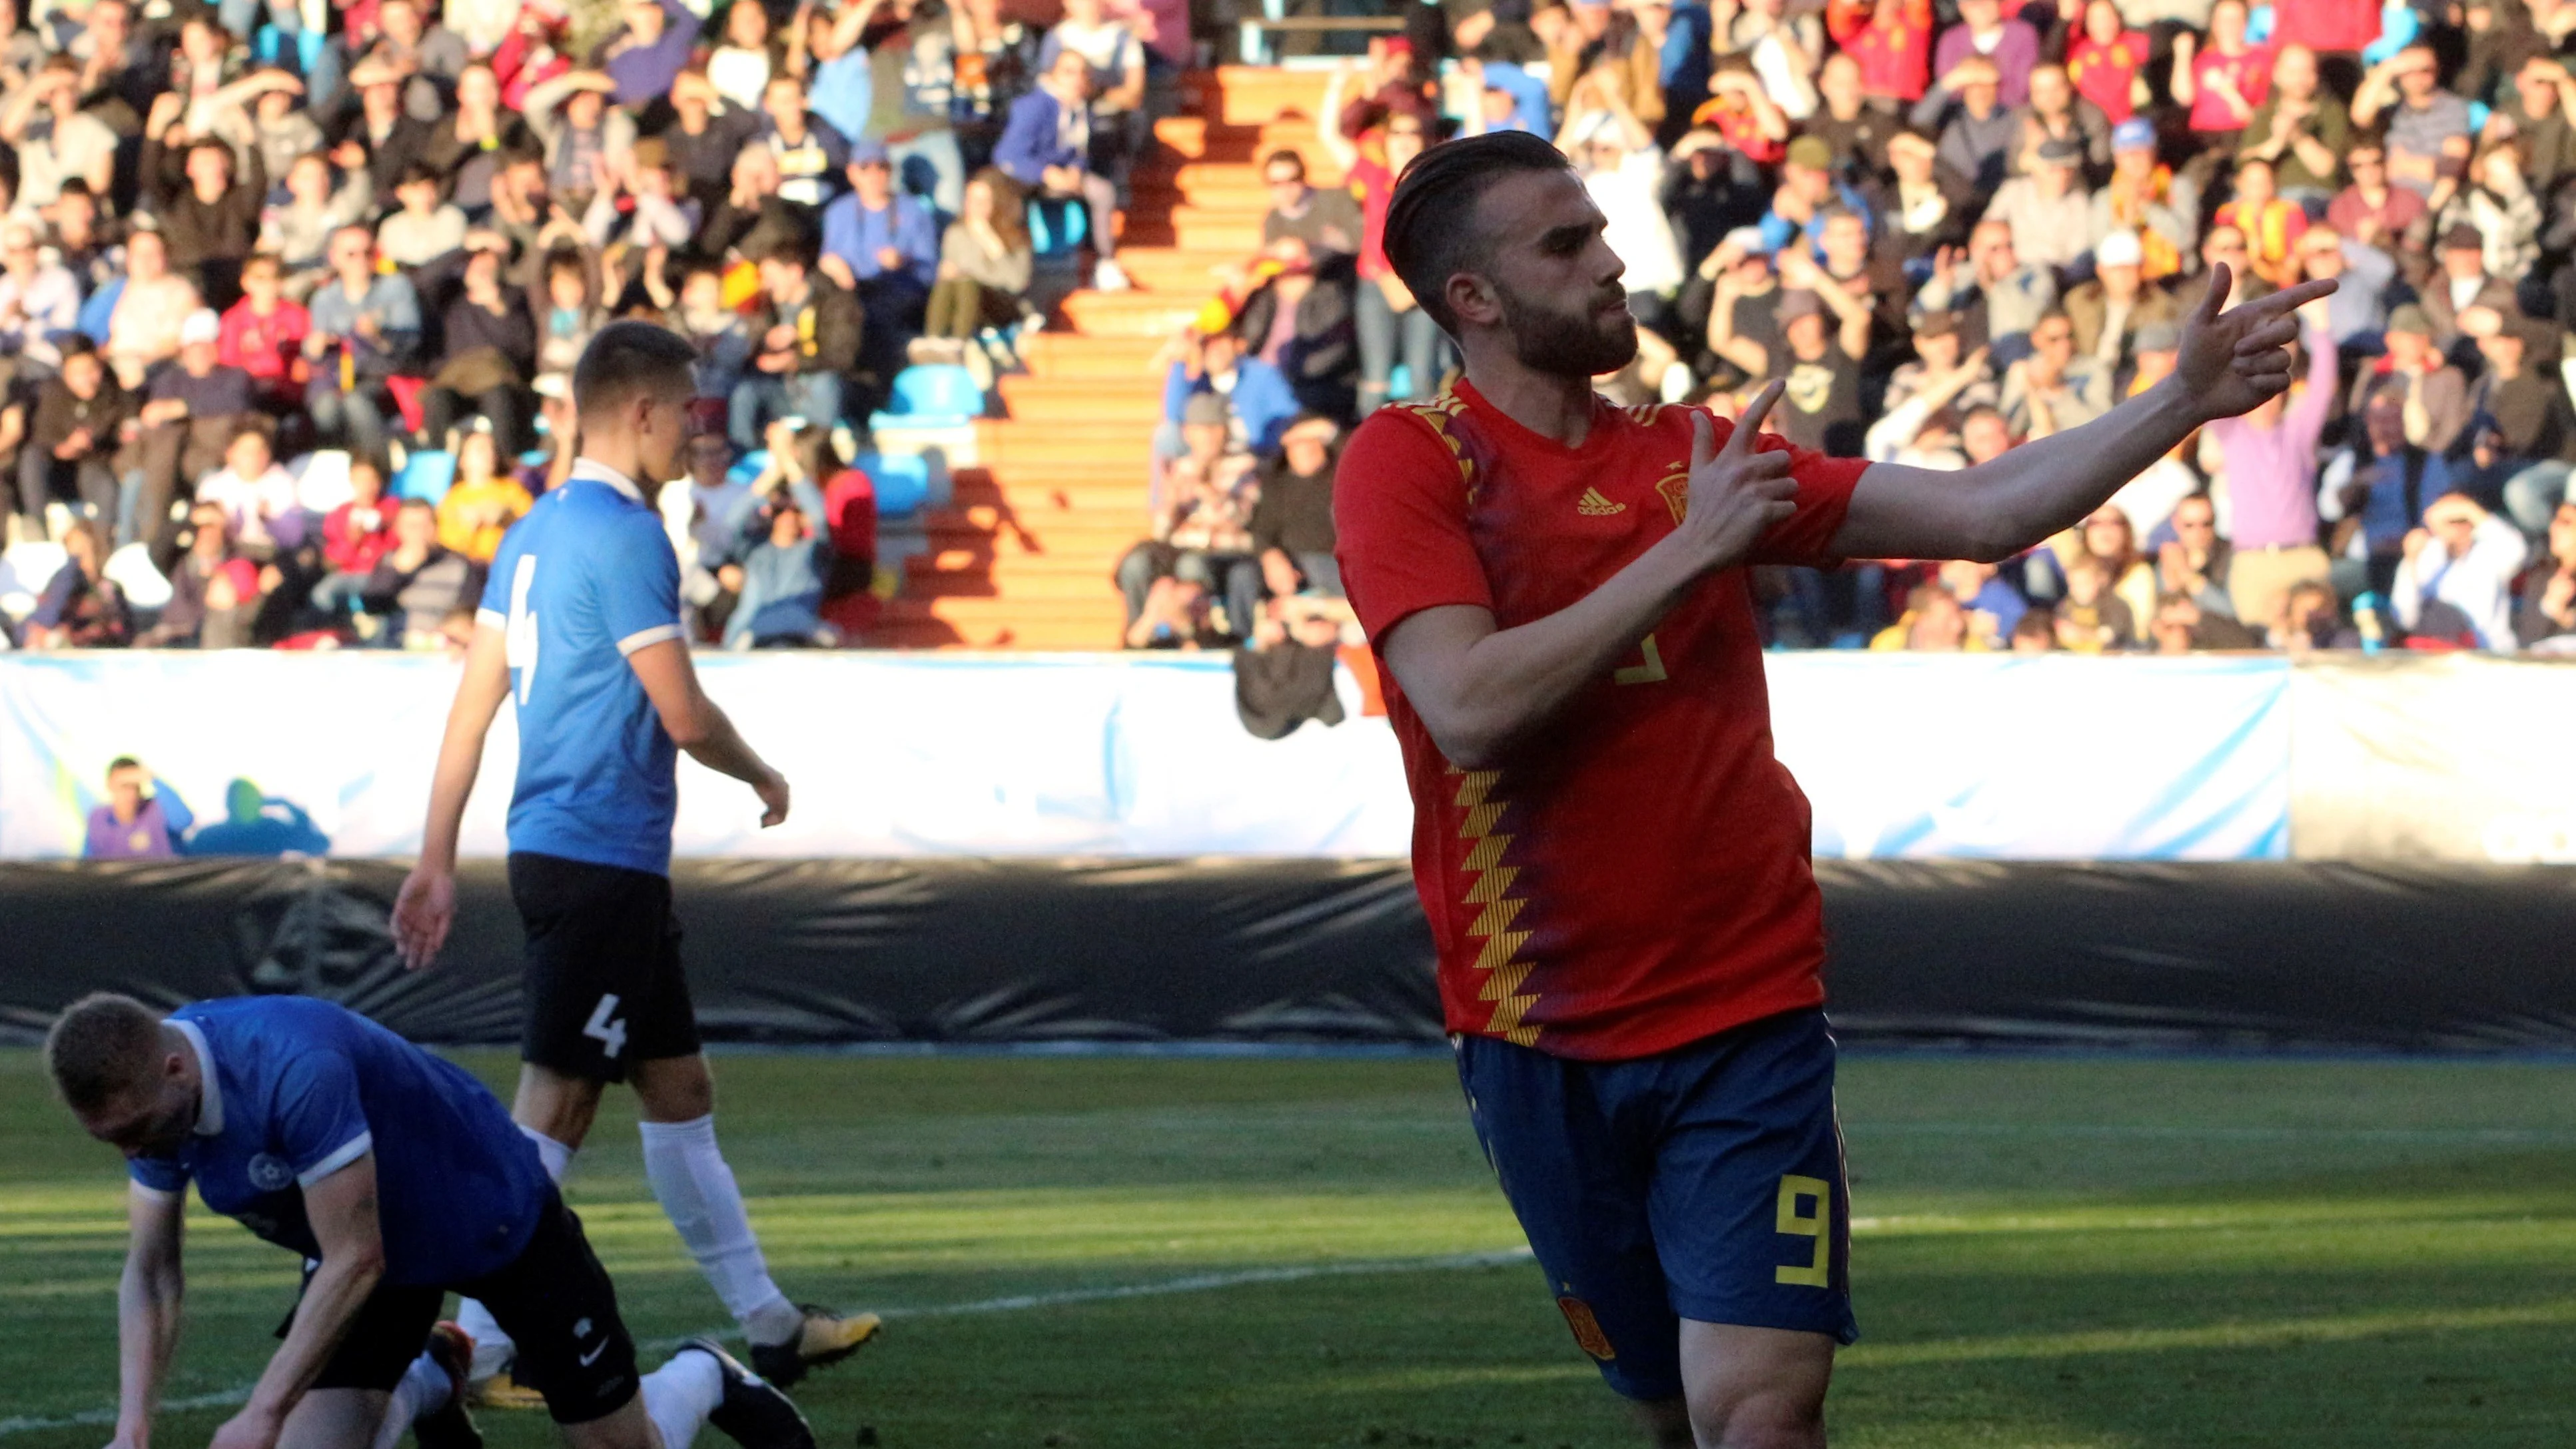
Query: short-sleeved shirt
[[297, 1089], [1637, 877], [584, 580]]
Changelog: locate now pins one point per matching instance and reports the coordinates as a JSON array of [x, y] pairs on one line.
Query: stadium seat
[[902, 480], [746, 470], [1057, 227], [92, 319], [426, 475], [932, 395]]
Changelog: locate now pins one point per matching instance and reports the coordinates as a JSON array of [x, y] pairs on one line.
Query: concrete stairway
[[1021, 556]]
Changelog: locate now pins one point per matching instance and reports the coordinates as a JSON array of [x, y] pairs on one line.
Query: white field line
[[1015, 1303]]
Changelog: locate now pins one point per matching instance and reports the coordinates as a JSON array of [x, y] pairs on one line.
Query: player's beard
[[1586, 343]]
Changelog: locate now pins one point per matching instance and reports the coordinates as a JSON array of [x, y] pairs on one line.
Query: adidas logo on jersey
[[1593, 505]]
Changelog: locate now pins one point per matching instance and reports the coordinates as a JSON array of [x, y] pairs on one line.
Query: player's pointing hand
[[1737, 492], [2233, 360]]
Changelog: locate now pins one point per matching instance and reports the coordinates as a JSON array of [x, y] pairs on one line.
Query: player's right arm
[[700, 726], [427, 905], [147, 1308], [1481, 690]]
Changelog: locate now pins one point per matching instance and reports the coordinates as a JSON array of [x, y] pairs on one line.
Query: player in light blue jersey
[[397, 1178], [580, 629]]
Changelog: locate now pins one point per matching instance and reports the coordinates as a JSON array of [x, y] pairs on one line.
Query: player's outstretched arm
[[2231, 362], [342, 1210], [700, 726], [1482, 690], [147, 1309], [426, 906]]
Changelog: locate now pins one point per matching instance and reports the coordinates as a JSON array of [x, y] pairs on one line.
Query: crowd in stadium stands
[[1949, 231], [275, 275], [290, 293]]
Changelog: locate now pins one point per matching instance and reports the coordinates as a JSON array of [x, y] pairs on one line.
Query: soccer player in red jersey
[[1614, 863]]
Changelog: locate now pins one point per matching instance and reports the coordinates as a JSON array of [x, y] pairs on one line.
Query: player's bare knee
[[675, 1089], [1764, 1419], [555, 1105]]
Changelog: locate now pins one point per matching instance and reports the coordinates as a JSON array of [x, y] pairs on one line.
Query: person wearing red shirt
[[2105, 59], [1613, 860], [1892, 40], [263, 334]]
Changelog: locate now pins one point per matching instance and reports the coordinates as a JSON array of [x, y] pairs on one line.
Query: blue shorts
[[1705, 1183]]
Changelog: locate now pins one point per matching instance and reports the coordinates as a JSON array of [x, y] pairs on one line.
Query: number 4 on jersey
[[519, 642]]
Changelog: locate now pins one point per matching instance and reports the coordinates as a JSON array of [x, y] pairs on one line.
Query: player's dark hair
[[627, 358], [1431, 230], [101, 1046]]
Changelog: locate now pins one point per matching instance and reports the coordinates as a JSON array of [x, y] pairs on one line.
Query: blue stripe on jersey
[[586, 578]]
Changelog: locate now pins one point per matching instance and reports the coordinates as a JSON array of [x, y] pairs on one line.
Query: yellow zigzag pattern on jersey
[[1437, 412], [1493, 925]]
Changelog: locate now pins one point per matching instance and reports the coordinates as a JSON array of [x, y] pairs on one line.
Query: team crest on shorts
[[270, 1174], [1587, 1329]]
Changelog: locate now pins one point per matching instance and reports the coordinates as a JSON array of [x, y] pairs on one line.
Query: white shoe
[[1107, 277]]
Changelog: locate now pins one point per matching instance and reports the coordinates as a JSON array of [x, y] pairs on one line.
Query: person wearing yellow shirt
[[483, 502]]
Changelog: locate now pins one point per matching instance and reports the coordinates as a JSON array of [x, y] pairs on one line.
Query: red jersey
[[1636, 878], [2106, 74]]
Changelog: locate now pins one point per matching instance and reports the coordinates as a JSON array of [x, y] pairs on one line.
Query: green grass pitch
[[2049, 1253]]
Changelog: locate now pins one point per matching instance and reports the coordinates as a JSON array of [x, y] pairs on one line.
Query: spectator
[[189, 416], [2145, 197], [2108, 311], [1292, 524], [738, 70], [81, 608], [780, 581], [2311, 620], [1820, 407], [488, 357], [355, 535], [2049, 211], [643, 59], [1808, 189], [883, 245], [2270, 225], [263, 514], [208, 216], [134, 825], [995, 62], [263, 335], [415, 585], [588, 145], [809, 329], [2544, 121], [55, 139], [2223, 81], [426, 228], [1301, 323], [214, 593], [384, 139], [365, 330], [1327, 222], [2300, 130], [2373, 210], [2010, 45], [298, 231], [2433, 394], [467, 153], [1998, 296], [2357, 314], [1206, 530], [2091, 619], [1623, 170], [2271, 477], [39, 298], [984, 262], [1976, 129], [143, 330], [82, 420], [702, 144], [2545, 615], [2463, 299], [2380, 496], [1934, 622], [1992, 607], [1782, 47], [2184, 626], [718, 332], [482, 503], [1892, 42], [1857, 131], [1259, 401], [1922, 205], [2467, 558], [2499, 206], [2054, 388], [2107, 61], [567, 311], [2055, 112], [1047, 147], [2521, 398], [2196, 562], [2427, 127]]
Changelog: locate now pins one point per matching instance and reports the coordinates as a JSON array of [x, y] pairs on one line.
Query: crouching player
[[397, 1178]]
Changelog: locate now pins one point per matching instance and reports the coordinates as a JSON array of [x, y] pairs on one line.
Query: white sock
[[424, 1388], [680, 1394], [492, 1347], [698, 1194]]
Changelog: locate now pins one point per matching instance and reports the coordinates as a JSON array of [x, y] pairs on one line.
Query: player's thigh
[[603, 982], [1579, 1186], [335, 1419], [1749, 1204], [560, 1310]]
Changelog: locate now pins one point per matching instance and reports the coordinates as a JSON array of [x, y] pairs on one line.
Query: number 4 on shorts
[[608, 1031], [1797, 1220]]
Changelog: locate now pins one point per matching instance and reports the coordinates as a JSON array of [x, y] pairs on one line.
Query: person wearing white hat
[[2108, 310], [190, 413]]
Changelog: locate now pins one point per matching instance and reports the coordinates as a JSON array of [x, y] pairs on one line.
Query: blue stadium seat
[[92, 321], [1057, 226], [902, 481], [425, 474], [932, 395]]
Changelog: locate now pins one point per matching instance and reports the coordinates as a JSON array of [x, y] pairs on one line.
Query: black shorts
[[604, 988], [554, 1300]]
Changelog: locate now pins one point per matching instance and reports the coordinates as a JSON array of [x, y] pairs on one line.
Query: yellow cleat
[[504, 1393], [826, 1338]]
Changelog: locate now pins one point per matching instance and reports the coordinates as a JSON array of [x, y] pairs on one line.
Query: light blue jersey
[[585, 579], [297, 1089]]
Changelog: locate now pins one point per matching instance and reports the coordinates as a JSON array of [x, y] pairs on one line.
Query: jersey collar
[[210, 1113], [599, 472]]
